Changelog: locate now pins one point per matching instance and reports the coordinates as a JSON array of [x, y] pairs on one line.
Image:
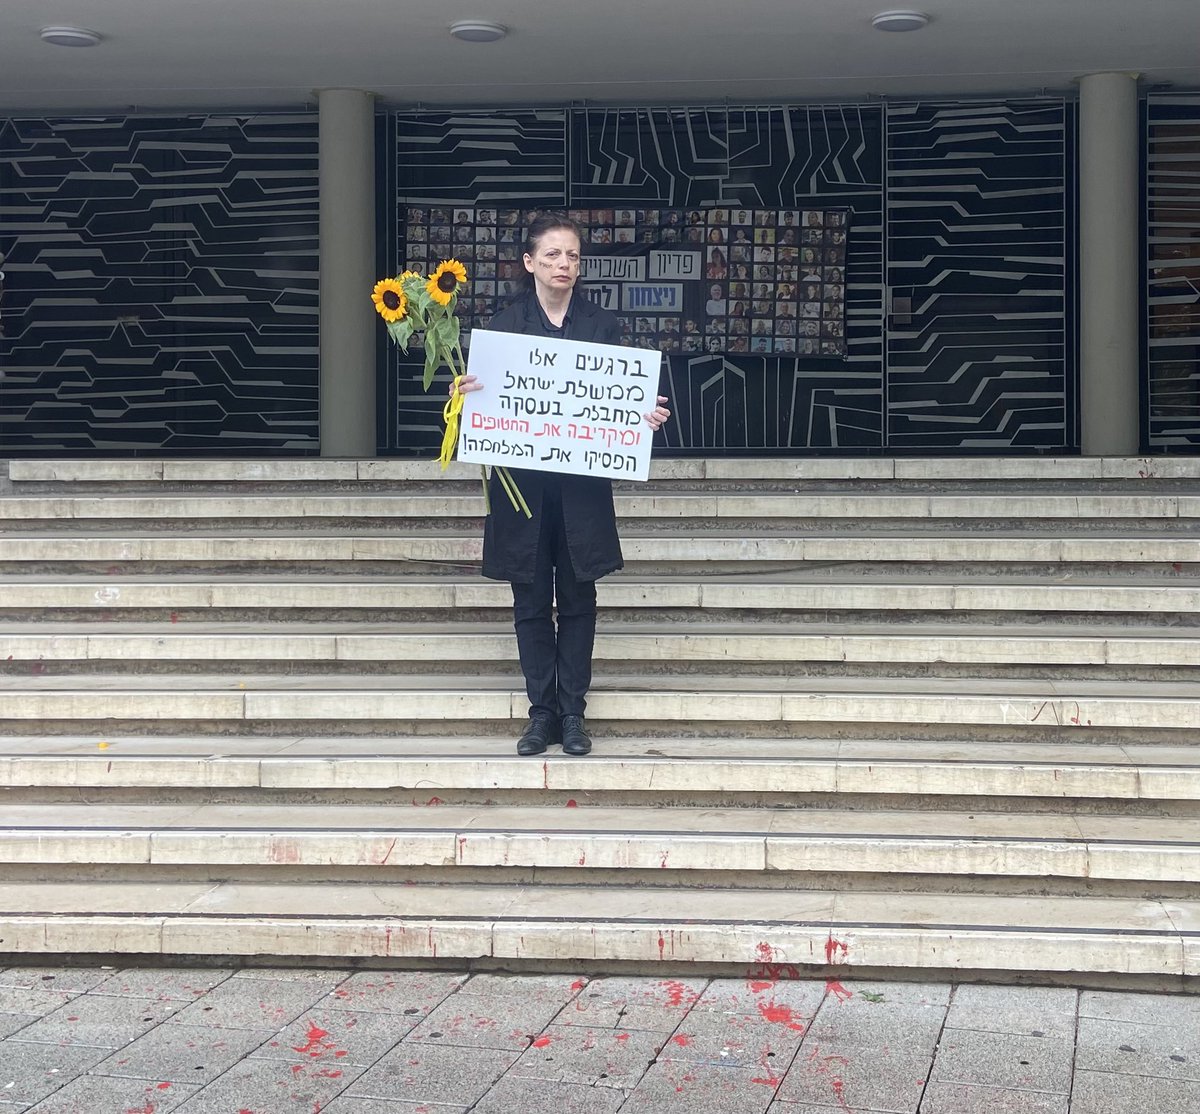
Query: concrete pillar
[[349, 327], [1109, 264]]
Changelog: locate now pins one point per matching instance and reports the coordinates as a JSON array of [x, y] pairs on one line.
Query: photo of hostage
[[555, 557]]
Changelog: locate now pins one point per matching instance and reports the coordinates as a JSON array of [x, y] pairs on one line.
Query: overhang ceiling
[[193, 54]]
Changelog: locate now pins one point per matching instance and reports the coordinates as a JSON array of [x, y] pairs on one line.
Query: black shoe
[[541, 732], [575, 739]]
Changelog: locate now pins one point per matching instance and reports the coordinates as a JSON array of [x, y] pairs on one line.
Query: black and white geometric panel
[[496, 159], [161, 286], [777, 158], [980, 343], [1172, 327]]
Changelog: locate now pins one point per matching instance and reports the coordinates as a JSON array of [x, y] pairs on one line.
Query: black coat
[[510, 540]]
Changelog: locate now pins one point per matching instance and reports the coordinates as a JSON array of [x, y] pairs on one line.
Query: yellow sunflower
[[390, 300], [445, 280]]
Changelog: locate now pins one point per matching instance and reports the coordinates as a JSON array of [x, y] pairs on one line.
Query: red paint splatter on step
[[315, 1035], [435, 801], [765, 953], [835, 950], [662, 944], [571, 803], [174, 616], [545, 775], [541, 1042]]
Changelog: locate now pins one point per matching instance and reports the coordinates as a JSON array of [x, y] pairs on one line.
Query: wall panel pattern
[[779, 158], [1172, 403], [161, 284], [473, 158], [978, 212]]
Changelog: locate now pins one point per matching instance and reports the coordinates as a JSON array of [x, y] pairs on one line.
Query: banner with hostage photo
[[691, 281]]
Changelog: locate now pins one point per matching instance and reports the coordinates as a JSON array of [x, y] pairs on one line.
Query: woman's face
[[554, 263]]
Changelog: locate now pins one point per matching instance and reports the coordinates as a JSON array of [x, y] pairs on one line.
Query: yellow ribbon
[[450, 413]]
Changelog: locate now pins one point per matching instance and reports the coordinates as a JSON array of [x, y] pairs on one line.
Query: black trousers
[[557, 663]]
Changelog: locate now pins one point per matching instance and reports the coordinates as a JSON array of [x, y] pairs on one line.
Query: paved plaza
[[271, 1041]]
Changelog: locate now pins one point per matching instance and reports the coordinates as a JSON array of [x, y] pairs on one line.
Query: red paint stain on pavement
[[832, 986], [164, 1086], [681, 1039], [541, 1042], [579, 984], [766, 1081], [147, 1109], [622, 1037], [780, 1015], [676, 991], [315, 1035]]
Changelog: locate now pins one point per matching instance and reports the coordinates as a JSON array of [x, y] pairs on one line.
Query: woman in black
[[571, 540]]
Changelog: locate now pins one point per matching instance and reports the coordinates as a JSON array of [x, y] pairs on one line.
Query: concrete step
[[753, 930], [679, 840], [431, 768], [297, 470], [793, 704], [768, 593], [715, 508], [324, 643], [897, 548]]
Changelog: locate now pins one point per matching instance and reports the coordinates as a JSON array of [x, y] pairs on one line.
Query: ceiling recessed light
[[900, 21], [69, 36], [478, 30]]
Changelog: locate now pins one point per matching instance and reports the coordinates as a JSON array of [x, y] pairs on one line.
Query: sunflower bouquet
[[413, 304]]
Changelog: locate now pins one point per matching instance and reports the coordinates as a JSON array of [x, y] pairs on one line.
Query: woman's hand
[[465, 385], [659, 414]]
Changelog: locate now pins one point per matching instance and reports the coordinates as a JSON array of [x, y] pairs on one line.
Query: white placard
[[559, 406]]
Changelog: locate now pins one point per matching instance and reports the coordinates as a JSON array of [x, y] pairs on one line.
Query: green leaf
[[401, 332], [432, 360]]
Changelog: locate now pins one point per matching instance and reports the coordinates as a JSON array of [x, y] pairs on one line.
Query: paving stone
[[1170, 1051], [542, 987], [478, 1021], [325, 976], [735, 1040], [34, 1000], [29, 1072], [348, 1104], [184, 1053], [676, 1085], [1008, 1060], [882, 1071], [599, 1057], [410, 993], [97, 1093], [516, 1094], [71, 980], [963, 1098], [1105, 1093], [270, 1087], [183, 984], [244, 1003], [11, 1023], [99, 1022], [1144, 1009], [626, 1003], [433, 1073], [332, 1036], [1044, 1011], [747, 996]]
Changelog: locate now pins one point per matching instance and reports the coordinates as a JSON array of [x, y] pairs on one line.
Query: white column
[[347, 243], [1109, 264]]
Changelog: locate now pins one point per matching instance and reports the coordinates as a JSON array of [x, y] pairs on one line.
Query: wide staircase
[[914, 715]]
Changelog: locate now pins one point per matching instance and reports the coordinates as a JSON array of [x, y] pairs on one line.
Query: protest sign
[[559, 406]]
